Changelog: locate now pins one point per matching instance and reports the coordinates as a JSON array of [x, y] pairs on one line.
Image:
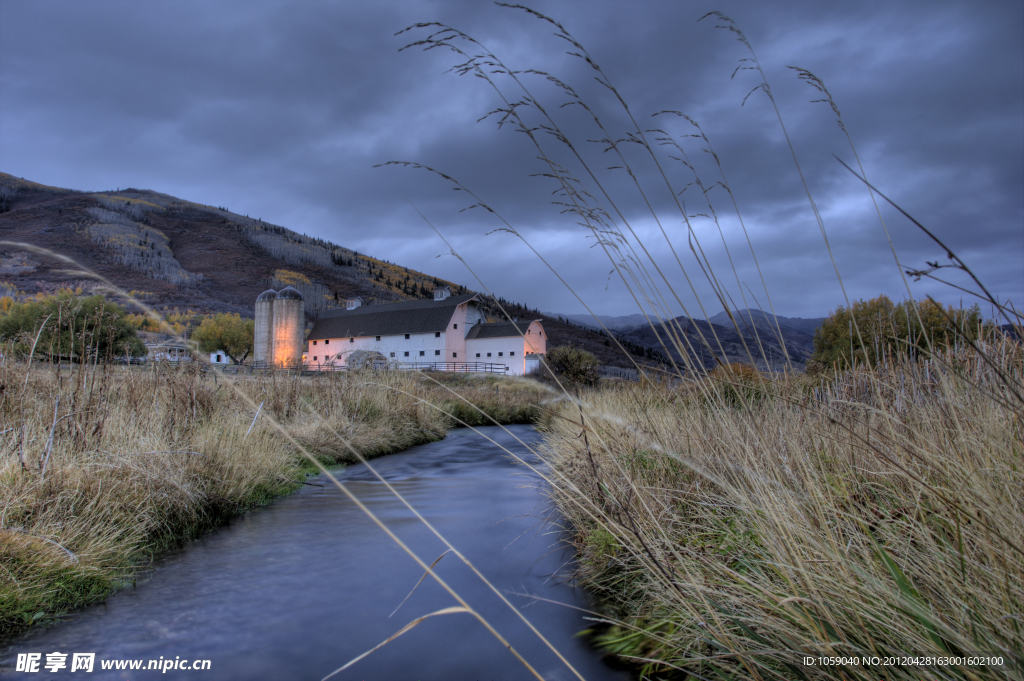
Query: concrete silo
[[289, 327], [263, 352]]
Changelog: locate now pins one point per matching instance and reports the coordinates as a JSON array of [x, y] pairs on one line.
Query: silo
[[289, 327], [263, 352]]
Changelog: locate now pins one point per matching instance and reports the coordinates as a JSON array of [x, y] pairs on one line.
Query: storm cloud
[[285, 111]]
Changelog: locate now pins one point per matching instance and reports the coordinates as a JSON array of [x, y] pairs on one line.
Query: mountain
[[176, 253], [765, 321], [757, 337], [704, 341], [610, 322], [173, 253]]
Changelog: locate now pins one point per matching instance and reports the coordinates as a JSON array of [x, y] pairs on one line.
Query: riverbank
[[736, 525], [297, 588], [103, 467]]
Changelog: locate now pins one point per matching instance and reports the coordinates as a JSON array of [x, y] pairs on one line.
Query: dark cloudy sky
[[281, 110]]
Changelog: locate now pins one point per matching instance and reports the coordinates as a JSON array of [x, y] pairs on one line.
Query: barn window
[[314, 358], [406, 336], [488, 354], [500, 354], [478, 354], [455, 354], [437, 352], [378, 337], [437, 334], [314, 342], [351, 340], [456, 326], [512, 354], [406, 353], [326, 342], [422, 353], [392, 354]]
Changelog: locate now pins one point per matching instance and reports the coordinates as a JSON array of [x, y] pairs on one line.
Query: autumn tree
[[67, 327], [227, 332], [879, 327]]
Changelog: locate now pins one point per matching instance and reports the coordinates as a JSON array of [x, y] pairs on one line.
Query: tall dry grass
[[736, 526], [735, 523], [102, 466]]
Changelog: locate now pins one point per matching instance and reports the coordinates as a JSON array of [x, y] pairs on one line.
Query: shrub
[[737, 384], [71, 328], [573, 365], [889, 330]]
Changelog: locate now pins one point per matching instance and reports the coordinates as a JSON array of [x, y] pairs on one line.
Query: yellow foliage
[[289, 278], [226, 332], [736, 371], [123, 199]]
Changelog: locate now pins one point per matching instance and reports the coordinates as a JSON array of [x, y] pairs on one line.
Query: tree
[[573, 365], [67, 327], [227, 332], [889, 329]]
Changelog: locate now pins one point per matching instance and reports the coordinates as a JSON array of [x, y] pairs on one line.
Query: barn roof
[[499, 329], [408, 316]]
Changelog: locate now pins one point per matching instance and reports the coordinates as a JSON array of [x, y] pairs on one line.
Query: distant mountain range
[[765, 321], [743, 317], [747, 334], [752, 335]]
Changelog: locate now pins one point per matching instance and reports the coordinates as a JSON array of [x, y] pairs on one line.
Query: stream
[[296, 589]]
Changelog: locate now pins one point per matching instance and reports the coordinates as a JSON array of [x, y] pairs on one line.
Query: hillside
[[764, 321], [706, 340], [175, 253], [613, 323]]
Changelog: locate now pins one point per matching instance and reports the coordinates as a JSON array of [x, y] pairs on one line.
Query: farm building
[[167, 347], [448, 333], [280, 321]]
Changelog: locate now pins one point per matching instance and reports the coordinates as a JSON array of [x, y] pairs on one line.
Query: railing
[[315, 366], [380, 365], [249, 369], [384, 365], [461, 367], [607, 371]]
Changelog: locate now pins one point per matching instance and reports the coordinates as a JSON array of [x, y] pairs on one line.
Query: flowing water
[[296, 589]]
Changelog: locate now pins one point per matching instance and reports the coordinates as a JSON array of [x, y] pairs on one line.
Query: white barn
[[448, 332]]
